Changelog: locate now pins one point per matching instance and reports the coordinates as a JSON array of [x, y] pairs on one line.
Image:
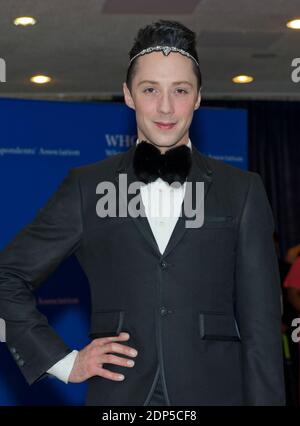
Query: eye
[[148, 90], [182, 91]]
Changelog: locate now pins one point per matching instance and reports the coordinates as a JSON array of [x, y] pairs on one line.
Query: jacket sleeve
[[25, 263], [258, 310]]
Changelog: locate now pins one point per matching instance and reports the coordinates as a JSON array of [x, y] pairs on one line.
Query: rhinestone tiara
[[166, 50]]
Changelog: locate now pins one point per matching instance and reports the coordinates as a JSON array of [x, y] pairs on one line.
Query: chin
[[165, 140], [168, 143]]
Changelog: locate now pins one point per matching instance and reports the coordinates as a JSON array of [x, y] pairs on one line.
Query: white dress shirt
[[162, 204]]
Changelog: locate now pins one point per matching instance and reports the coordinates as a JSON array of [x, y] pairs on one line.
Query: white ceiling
[[84, 45]]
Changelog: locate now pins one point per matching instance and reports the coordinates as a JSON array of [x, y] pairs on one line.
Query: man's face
[[164, 91]]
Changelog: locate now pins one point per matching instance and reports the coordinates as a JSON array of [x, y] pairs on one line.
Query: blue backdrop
[[39, 142]]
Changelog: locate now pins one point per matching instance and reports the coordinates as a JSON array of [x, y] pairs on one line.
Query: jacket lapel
[[200, 172], [141, 221]]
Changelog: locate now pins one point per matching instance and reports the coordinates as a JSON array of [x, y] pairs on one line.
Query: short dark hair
[[164, 33]]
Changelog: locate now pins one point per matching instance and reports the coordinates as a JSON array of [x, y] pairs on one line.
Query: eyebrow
[[174, 83]]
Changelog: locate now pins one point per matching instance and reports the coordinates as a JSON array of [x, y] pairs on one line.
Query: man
[[200, 305]]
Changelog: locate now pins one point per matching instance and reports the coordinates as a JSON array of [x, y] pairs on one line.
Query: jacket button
[[164, 311], [17, 356], [163, 264], [21, 362], [13, 350]]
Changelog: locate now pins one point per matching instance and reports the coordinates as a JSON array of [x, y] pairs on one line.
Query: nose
[[165, 104]]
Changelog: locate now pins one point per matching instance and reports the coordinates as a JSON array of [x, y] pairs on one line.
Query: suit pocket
[[106, 323], [218, 326], [218, 222]]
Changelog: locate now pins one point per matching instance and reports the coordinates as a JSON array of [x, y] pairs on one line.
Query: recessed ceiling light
[[24, 21], [40, 79], [240, 79], [294, 24]]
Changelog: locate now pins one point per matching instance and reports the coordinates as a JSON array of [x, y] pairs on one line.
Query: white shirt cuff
[[62, 369]]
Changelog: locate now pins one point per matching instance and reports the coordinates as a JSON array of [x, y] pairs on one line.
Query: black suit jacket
[[206, 312]]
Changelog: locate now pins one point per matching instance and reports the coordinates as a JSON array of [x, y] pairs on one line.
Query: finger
[[109, 374], [117, 347], [105, 340], [117, 360]]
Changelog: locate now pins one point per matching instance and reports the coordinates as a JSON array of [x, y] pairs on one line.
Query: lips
[[165, 126]]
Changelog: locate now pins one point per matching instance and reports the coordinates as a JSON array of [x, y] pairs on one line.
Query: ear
[[197, 104], [127, 97]]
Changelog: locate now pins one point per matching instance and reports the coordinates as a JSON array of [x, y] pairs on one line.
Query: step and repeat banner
[[39, 142]]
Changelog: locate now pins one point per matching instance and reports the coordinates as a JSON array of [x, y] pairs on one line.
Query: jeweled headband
[[166, 50]]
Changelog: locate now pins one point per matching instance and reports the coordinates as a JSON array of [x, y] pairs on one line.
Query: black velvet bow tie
[[149, 164]]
